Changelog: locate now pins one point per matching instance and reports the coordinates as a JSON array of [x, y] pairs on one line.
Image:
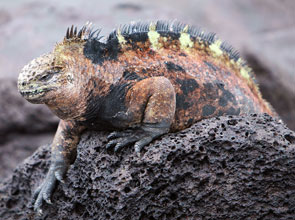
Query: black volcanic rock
[[221, 168]]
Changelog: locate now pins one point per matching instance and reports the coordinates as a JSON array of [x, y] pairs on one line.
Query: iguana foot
[[43, 193], [141, 136]]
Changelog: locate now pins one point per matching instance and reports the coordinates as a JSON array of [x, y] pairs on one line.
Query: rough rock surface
[[263, 31], [221, 168]]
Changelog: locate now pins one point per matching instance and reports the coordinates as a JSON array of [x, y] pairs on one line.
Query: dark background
[[263, 32]]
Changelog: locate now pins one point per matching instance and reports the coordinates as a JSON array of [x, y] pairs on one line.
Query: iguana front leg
[[150, 109], [63, 153]]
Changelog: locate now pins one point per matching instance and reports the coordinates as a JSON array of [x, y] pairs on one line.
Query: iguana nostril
[[23, 83]]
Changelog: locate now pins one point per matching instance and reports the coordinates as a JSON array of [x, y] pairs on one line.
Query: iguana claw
[[43, 193], [140, 137]]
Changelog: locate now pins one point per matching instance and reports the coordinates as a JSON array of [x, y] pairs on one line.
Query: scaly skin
[[146, 80]]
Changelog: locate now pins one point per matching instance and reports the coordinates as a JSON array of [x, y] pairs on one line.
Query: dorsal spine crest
[[161, 34]]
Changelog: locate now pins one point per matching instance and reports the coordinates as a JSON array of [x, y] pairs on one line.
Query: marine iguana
[[146, 79]]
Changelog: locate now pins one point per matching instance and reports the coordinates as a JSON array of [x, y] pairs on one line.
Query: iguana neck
[[76, 102]]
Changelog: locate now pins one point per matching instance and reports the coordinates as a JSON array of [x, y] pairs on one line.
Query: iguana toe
[[45, 190]]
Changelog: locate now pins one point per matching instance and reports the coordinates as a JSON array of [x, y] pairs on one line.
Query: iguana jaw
[[34, 95]]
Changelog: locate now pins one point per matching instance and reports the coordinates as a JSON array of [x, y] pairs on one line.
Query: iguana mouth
[[34, 94]]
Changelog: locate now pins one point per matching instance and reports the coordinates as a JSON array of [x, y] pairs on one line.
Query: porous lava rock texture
[[221, 168]]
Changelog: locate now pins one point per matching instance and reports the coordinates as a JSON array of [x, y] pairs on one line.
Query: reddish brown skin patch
[[196, 66], [151, 100]]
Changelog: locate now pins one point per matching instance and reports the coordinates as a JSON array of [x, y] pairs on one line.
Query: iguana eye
[[46, 77], [49, 74]]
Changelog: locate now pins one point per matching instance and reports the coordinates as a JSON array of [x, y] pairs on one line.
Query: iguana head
[[49, 77], [40, 78]]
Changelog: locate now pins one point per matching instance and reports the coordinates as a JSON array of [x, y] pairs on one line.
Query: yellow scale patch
[[217, 51], [65, 50], [153, 36], [215, 48], [185, 39], [244, 70], [120, 37]]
